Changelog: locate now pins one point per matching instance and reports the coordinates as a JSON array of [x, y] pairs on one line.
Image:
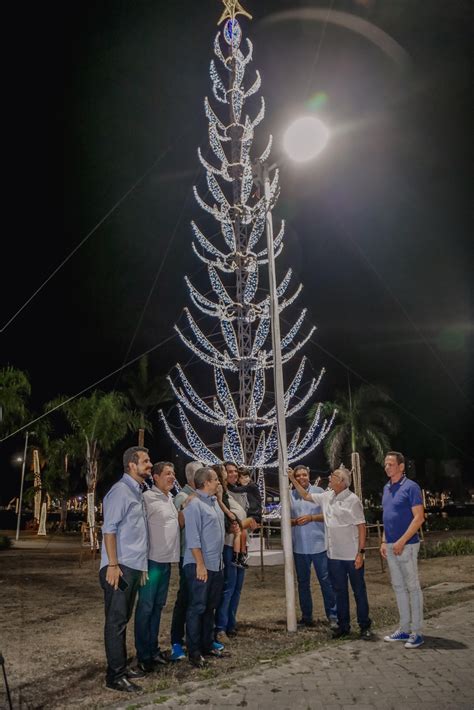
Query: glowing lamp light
[[305, 138]]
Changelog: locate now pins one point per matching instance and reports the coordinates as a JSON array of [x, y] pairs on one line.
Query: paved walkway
[[355, 674]]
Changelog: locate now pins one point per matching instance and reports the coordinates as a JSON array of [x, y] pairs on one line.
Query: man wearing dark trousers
[[178, 621], [124, 563], [205, 531]]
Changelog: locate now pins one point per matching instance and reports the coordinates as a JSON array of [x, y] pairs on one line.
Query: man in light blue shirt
[[202, 564], [124, 563], [309, 549]]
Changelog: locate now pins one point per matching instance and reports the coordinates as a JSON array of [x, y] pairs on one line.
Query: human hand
[[113, 575], [304, 519], [188, 500], [253, 525], [359, 560], [383, 550], [143, 579], [398, 547], [234, 528], [201, 572]]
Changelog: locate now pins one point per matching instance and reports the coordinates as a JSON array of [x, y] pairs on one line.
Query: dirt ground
[[51, 621]]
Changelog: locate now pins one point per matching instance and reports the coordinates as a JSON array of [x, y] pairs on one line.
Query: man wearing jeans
[[123, 563], [309, 549], [345, 529], [202, 565], [163, 535], [403, 516]]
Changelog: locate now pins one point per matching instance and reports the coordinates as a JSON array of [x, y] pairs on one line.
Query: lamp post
[[304, 140], [280, 415], [23, 466]]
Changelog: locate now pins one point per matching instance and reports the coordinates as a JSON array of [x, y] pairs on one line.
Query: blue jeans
[[233, 583], [151, 600], [406, 585], [118, 610], [303, 572], [341, 572], [203, 600]]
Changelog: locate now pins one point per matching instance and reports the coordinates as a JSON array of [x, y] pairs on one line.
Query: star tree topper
[[233, 8]]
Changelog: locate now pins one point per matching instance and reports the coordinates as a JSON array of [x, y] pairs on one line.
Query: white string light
[[244, 208]]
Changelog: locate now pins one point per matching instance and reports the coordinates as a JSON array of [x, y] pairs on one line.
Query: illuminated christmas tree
[[241, 358]]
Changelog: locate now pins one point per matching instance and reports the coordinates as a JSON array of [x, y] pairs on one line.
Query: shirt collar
[[132, 483], [398, 483], [156, 490], [342, 495], [206, 497]]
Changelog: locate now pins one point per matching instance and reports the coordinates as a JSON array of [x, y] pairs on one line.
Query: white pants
[[406, 585]]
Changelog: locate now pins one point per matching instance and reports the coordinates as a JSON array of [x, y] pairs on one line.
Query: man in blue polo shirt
[[403, 515], [202, 565], [309, 549]]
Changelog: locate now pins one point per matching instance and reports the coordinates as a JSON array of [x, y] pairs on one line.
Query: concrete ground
[[356, 674]]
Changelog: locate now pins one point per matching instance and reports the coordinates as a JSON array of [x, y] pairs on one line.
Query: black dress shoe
[[133, 673], [124, 685], [146, 666], [160, 659], [308, 623], [340, 633], [231, 633], [197, 661], [366, 634]]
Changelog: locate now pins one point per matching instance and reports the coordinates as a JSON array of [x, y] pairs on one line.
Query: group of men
[[146, 529], [329, 533]]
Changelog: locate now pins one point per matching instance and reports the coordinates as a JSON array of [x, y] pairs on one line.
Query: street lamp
[[304, 139], [23, 465]]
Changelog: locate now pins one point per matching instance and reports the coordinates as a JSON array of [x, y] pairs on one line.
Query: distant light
[[19, 459], [305, 138]]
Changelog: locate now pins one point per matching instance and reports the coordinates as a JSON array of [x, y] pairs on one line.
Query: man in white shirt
[[163, 535], [345, 530]]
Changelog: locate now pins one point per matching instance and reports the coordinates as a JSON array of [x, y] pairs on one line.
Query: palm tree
[[98, 422], [146, 392], [365, 420], [15, 389]]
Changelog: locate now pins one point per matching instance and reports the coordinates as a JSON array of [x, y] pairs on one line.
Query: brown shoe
[[222, 637]]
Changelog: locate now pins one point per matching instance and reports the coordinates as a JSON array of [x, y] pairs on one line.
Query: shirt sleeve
[[317, 498], [178, 500], [193, 525], [358, 512], [415, 495], [115, 509]]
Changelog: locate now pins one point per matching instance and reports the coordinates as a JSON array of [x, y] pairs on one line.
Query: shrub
[[453, 547], [5, 542], [439, 523]]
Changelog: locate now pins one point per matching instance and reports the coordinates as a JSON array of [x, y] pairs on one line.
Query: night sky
[[379, 227]]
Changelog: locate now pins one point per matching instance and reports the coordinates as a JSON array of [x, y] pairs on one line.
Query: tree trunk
[[356, 473], [141, 437]]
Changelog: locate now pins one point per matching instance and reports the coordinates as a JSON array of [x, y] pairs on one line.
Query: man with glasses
[[309, 549], [345, 530], [403, 515]]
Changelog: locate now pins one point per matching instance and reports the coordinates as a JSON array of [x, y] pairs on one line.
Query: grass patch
[[451, 548]]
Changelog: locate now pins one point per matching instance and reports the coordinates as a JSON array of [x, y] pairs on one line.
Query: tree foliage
[[15, 389], [97, 422], [365, 420], [146, 391]]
